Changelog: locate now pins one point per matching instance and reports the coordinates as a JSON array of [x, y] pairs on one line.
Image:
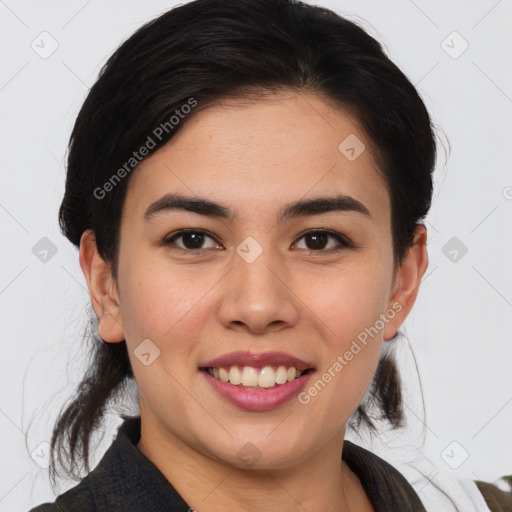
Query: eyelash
[[345, 243]]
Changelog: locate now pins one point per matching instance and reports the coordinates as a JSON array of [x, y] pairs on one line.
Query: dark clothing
[[125, 480]]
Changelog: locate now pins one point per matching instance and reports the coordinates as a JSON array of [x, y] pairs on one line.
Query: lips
[[273, 392], [257, 399], [246, 358]]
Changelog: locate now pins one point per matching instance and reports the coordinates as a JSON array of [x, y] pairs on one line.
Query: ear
[[407, 280], [103, 289]]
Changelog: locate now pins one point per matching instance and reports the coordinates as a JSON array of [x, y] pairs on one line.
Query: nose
[[258, 296]]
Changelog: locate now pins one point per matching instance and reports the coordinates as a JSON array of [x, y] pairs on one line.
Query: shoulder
[[385, 486], [123, 481], [393, 489], [82, 496], [77, 498], [497, 500]]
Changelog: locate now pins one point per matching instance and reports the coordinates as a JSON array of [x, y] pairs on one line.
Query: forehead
[[258, 154]]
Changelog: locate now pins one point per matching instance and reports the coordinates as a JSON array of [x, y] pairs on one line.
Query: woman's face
[[316, 283]]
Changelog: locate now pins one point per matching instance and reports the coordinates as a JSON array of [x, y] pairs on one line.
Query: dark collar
[[126, 480], [387, 489]]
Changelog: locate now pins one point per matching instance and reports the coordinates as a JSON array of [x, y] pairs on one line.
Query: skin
[[254, 157]]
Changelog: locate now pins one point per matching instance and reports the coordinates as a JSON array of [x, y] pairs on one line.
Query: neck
[[320, 482]]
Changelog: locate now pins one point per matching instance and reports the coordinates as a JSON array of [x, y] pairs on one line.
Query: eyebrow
[[301, 208]]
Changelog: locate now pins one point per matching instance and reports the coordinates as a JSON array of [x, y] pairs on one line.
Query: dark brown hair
[[211, 50]]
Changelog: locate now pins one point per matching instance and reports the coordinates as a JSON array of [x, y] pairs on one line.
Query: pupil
[[196, 238], [319, 239]]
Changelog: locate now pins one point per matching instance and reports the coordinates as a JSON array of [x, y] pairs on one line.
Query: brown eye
[[192, 239], [317, 241]]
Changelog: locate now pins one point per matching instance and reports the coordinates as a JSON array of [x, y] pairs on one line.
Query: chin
[[257, 453]]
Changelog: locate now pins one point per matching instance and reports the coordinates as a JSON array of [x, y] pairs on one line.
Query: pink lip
[[258, 399], [246, 358]]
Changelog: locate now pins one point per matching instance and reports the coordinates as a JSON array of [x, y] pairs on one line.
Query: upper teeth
[[267, 377]]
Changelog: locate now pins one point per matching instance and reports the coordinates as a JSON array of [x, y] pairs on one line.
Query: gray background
[[460, 327]]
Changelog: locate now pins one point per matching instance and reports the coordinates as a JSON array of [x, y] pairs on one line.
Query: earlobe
[[102, 288], [407, 281]]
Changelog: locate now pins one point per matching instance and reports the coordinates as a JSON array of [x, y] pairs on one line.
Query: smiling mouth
[[249, 377]]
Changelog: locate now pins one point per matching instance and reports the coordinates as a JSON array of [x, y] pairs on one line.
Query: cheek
[[156, 299], [348, 308], [163, 306], [349, 300], [169, 306]]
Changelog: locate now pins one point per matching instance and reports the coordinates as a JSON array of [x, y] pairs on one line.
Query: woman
[[246, 183]]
